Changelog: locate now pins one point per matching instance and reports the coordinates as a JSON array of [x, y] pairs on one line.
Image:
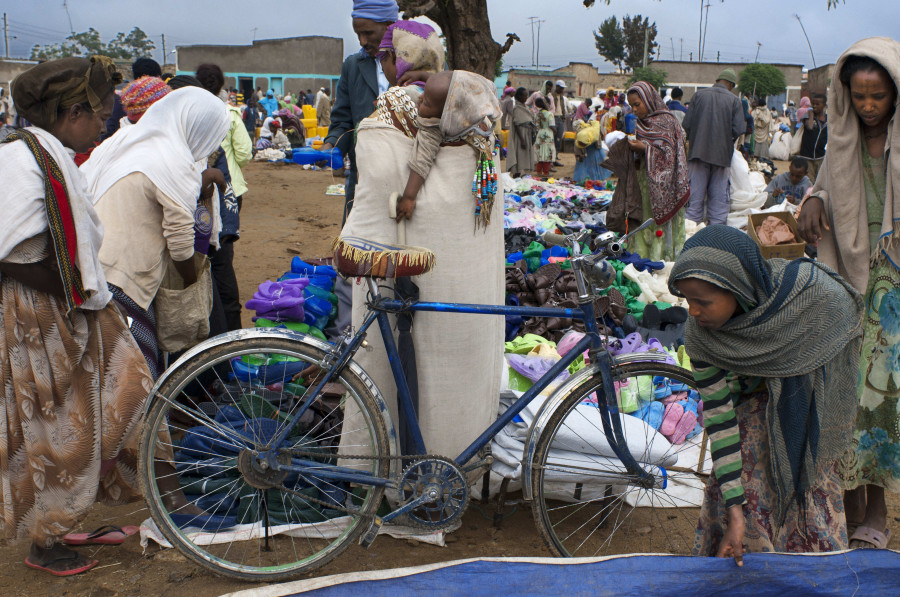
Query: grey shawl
[[802, 333]]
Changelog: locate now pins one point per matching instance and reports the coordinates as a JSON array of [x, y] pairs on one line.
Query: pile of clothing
[[301, 300]]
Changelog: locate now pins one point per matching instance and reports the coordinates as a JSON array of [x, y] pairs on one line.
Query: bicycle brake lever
[[625, 239]]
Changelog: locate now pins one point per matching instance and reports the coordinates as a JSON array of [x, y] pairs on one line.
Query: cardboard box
[[788, 251]]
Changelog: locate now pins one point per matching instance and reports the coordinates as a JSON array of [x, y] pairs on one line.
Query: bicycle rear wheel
[[585, 502], [221, 408]]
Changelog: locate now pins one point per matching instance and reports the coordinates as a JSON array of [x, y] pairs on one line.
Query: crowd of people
[[795, 361]]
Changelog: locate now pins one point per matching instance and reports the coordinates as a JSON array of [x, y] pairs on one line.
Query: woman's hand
[[212, 177], [412, 76], [637, 146], [405, 207], [732, 545], [812, 220]]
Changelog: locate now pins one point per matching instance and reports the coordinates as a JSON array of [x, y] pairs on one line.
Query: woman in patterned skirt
[[72, 380], [853, 212]]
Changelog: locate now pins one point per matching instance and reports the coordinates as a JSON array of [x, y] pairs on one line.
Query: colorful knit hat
[[142, 94]]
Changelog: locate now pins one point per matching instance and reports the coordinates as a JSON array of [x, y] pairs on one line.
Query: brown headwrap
[[42, 92]]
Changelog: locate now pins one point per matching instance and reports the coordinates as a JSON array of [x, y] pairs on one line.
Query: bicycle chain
[[334, 506]]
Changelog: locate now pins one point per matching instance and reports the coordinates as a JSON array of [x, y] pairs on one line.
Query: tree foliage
[[761, 80], [87, 43], [633, 29], [654, 76], [610, 41]]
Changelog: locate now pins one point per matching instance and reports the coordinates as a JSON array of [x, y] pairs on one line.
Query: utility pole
[[700, 34], [164, 49], [539, 44], [254, 30], [796, 16], [646, 44], [66, 6], [681, 50], [6, 34], [532, 20], [758, 46], [673, 48], [705, 27]]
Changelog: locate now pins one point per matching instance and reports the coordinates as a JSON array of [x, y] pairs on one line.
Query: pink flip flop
[[106, 535], [674, 413], [685, 426]]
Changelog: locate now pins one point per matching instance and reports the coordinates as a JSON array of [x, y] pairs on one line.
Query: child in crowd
[[790, 186], [543, 144], [778, 400]]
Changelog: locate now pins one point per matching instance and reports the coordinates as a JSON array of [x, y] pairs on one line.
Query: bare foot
[[58, 560]]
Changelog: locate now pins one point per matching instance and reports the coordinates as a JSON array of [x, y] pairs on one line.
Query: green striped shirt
[[721, 391]]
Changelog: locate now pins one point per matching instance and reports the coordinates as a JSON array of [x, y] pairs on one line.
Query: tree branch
[[415, 8], [511, 38]]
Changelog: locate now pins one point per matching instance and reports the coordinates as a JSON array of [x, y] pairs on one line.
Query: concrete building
[[691, 76], [286, 65], [819, 79], [12, 68], [532, 80]]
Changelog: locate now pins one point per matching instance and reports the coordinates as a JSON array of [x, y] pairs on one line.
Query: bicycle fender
[[557, 398], [283, 333]]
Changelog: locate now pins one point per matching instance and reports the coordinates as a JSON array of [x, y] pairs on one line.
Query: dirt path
[[286, 213]]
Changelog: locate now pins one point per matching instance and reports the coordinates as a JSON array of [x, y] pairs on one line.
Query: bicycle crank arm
[[366, 539]]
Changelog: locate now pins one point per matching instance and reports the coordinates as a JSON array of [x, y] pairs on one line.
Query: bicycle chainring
[[444, 482]]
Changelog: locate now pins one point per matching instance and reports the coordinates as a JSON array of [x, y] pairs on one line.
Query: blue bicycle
[[286, 454]]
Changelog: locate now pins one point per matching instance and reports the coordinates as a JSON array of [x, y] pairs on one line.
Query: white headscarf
[[24, 214], [169, 144]]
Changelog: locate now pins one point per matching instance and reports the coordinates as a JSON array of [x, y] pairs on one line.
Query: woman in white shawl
[[458, 357], [72, 379], [145, 181]]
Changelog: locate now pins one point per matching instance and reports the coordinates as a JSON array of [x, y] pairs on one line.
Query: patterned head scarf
[[471, 111], [801, 328], [416, 46], [667, 168], [42, 92]]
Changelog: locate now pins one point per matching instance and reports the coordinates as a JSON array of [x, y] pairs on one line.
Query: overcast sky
[[734, 26]]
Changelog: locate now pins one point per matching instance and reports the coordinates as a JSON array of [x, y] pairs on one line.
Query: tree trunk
[[467, 30]]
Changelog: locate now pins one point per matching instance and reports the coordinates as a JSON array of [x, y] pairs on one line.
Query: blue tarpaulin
[[851, 573]]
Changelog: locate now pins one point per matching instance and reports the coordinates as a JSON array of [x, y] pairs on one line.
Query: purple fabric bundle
[[279, 301]]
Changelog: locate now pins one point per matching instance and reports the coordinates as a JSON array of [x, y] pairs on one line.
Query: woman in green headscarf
[[774, 347], [72, 379]]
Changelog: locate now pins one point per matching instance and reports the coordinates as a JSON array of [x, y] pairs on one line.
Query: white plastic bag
[[780, 148]]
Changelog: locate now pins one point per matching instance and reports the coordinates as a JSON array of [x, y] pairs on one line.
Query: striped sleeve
[[718, 390]]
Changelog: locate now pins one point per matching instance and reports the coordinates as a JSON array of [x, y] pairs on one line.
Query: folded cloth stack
[[301, 300]]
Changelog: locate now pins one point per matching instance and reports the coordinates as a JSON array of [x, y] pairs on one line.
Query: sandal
[[876, 539], [105, 535], [74, 556]]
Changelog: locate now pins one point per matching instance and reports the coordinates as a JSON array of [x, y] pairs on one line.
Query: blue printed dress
[[876, 460]]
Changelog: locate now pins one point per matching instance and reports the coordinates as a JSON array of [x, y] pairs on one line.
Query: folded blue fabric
[[298, 266], [640, 263]]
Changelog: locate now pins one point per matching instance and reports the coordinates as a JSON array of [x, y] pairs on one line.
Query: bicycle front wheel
[[586, 503], [212, 496]]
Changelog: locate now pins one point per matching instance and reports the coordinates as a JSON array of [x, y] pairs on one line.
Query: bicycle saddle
[[356, 257]]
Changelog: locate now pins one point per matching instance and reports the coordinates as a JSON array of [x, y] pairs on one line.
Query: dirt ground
[[286, 213]]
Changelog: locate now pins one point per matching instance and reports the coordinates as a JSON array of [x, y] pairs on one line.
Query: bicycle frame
[[379, 309]]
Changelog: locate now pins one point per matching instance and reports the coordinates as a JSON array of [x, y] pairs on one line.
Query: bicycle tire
[[224, 491], [586, 505]]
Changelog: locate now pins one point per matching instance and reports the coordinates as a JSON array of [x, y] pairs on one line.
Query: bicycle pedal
[[366, 539]]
